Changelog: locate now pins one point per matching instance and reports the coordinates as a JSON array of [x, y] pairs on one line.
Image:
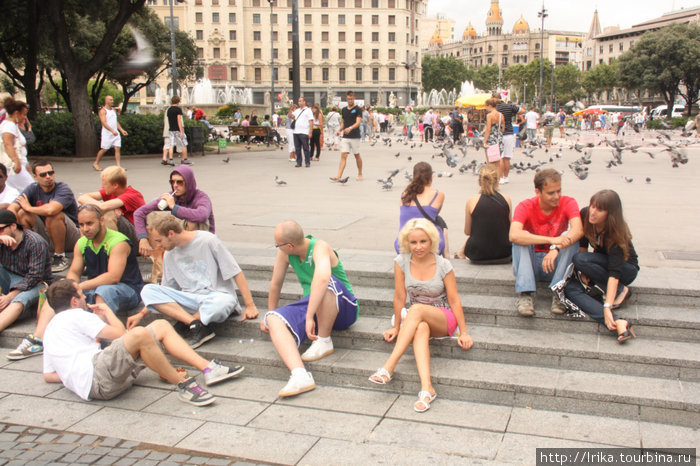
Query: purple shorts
[[451, 320], [294, 315]]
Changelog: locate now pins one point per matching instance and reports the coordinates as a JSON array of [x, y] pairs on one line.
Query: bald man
[[328, 303]]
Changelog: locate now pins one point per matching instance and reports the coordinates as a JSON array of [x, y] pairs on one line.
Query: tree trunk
[[85, 137]]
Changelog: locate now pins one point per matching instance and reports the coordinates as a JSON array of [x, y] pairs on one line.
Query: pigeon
[[409, 158], [578, 147], [648, 180], [528, 153], [279, 181], [628, 179], [387, 185], [397, 154], [140, 59], [226, 160]]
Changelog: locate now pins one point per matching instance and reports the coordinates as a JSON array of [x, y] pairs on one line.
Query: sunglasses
[[45, 174], [177, 182], [2, 227]]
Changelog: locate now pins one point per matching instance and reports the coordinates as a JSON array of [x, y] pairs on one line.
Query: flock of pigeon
[[455, 154]]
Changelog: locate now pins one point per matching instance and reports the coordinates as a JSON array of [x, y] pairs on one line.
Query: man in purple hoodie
[[185, 202]]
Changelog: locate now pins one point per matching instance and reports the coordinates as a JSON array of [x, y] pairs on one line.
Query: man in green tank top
[[328, 303]]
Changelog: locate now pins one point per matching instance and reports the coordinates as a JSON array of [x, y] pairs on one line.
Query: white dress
[[20, 180]]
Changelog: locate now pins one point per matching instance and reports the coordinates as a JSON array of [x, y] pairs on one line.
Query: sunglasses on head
[[178, 182], [45, 174]]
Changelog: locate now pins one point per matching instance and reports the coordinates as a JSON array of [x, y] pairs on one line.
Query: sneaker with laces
[[59, 264], [218, 373], [171, 163], [504, 180], [186, 162], [199, 334], [191, 392], [557, 306], [317, 350], [297, 384], [525, 304], [30, 346], [181, 328]]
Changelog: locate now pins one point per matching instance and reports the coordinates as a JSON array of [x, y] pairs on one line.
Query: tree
[[514, 77], [444, 73], [567, 82], [81, 52], [486, 77], [601, 78]]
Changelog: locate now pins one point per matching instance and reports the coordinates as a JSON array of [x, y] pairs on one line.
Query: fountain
[[203, 93], [468, 89]]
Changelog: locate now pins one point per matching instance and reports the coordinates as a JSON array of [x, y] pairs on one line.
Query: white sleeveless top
[[111, 120]]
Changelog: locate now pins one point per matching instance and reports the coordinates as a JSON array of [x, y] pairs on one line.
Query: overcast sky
[[567, 15]]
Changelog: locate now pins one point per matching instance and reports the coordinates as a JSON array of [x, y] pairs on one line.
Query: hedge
[[674, 122], [55, 134]]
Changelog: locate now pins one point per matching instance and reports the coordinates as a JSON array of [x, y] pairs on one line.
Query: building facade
[[443, 27], [368, 46]]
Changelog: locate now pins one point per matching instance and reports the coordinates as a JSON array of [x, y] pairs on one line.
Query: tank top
[[305, 270], [409, 212], [111, 120], [490, 227], [97, 258]]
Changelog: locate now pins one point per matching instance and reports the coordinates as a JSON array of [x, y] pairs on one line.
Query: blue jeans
[[213, 306], [595, 266], [527, 267], [120, 297], [28, 298], [301, 142]]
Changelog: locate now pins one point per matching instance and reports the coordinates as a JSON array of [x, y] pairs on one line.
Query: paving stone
[[60, 447], [656, 435], [6, 445], [110, 442], [198, 460], [247, 442], [29, 455], [12, 453], [50, 456], [8, 436], [179, 458], [27, 438], [126, 461], [519, 448], [138, 454], [53, 414], [144, 427], [16, 429], [25, 383], [119, 451], [354, 400], [136, 398], [145, 462], [107, 460], [157, 455], [46, 438], [70, 458], [68, 438], [168, 463], [248, 388], [88, 439], [129, 444], [242, 411]]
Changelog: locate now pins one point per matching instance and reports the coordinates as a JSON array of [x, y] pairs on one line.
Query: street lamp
[[172, 47], [272, 63], [408, 65], [541, 14]]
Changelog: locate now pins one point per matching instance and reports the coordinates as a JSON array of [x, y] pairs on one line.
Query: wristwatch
[[553, 247]]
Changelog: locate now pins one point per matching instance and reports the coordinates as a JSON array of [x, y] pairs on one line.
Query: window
[[601, 49], [375, 74], [341, 19], [375, 3], [358, 75], [256, 36], [325, 75], [307, 36], [505, 47], [233, 52], [324, 3], [307, 3], [232, 35], [234, 73], [622, 47], [308, 55], [392, 37], [325, 53], [274, 18], [232, 17], [375, 37], [358, 3], [275, 36], [215, 17], [307, 72], [375, 54], [290, 53], [258, 75], [257, 54], [275, 54], [375, 19], [392, 20], [392, 54], [290, 73], [358, 54], [324, 19], [324, 36], [341, 3], [199, 34], [256, 2], [231, 2], [392, 74], [216, 52], [341, 54], [290, 19], [358, 36], [275, 74], [256, 18], [610, 48], [307, 19], [200, 52], [341, 74], [358, 19], [197, 2], [289, 36], [392, 4], [341, 36], [198, 18]]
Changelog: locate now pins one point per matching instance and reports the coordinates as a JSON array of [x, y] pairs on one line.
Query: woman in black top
[[612, 265], [487, 222]]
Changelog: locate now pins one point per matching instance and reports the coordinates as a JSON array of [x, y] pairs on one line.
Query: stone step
[[663, 322], [626, 396]]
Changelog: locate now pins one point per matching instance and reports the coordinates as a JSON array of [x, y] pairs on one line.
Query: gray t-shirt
[[201, 266], [431, 292]]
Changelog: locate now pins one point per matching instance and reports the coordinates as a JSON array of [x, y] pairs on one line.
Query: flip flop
[[424, 400], [381, 377], [96, 167]]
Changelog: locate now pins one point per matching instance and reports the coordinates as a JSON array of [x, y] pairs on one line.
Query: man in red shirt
[[545, 233], [117, 200]]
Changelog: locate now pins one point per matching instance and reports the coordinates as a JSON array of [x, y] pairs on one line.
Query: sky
[[565, 15]]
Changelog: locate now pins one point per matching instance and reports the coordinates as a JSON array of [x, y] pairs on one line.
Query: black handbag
[[437, 221]]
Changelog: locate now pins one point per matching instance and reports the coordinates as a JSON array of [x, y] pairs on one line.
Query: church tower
[[494, 20]]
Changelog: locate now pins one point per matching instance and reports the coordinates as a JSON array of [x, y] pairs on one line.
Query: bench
[[245, 133]]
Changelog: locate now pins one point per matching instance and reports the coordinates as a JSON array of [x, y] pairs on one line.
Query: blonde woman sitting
[[434, 308]]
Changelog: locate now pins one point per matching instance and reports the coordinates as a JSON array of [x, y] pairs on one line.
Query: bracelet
[[607, 306], [143, 311]]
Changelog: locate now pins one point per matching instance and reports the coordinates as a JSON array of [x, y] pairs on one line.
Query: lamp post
[[272, 63], [541, 14], [172, 48], [408, 65], [551, 89]]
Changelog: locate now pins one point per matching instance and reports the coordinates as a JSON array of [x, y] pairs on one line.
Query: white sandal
[[424, 400], [381, 377]]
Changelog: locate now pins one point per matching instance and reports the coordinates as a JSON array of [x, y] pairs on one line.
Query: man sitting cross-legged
[[328, 303], [73, 357], [196, 288], [108, 259]]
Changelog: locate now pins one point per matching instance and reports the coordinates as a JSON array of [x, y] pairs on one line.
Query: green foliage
[[526, 79], [107, 89], [227, 110], [567, 83], [6, 85], [444, 73], [601, 78], [55, 135], [486, 78], [674, 122], [387, 110]]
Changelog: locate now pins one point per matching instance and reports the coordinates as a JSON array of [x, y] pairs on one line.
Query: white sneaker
[[504, 180], [297, 384], [317, 350]]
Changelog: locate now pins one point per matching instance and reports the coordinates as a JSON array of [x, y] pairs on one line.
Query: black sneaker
[[191, 392], [199, 334], [181, 328], [186, 162], [59, 264], [171, 163]]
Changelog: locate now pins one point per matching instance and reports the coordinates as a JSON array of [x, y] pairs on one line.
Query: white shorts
[[508, 146], [350, 146], [166, 142], [177, 141], [109, 140]]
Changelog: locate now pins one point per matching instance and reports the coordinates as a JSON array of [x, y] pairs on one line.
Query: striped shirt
[[30, 260]]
